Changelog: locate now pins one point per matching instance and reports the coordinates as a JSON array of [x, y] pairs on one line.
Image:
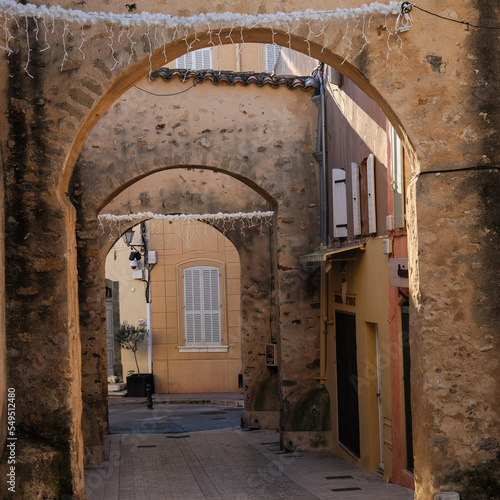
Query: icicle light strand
[[56, 12], [183, 217]]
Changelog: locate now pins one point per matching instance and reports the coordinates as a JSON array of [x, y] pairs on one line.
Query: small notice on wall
[[271, 355]]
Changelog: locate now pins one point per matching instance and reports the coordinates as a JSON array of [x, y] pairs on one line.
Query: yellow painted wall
[[366, 281], [180, 245], [132, 298]]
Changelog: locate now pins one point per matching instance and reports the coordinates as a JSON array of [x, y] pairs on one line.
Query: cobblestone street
[[230, 464]]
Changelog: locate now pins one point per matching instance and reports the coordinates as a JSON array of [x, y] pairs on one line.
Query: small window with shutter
[[197, 59], [202, 306]]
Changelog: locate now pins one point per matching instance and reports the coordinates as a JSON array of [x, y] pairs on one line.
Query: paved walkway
[[231, 464]]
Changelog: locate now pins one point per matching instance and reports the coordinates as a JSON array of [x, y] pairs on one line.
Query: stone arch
[[257, 295], [287, 190], [425, 96]]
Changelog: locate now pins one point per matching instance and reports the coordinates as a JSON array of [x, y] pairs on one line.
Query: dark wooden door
[[405, 327], [347, 381]]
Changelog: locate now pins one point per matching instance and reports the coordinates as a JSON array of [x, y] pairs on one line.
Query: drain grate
[[218, 418], [178, 436], [146, 446], [338, 477], [346, 489], [214, 412]]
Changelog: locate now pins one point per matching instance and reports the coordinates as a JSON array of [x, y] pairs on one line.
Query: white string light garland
[[182, 217], [128, 28], [225, 222]]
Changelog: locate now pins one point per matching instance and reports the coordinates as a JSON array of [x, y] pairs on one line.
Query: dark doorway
[[405, 327], [347, 381]]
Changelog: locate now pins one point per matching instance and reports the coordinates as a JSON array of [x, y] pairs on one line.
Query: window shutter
[[198, 59], [211, 305], [339, 203], [356, 207], [202, 306], [397, 179], [372, 206], [272, 54], [192, 306]]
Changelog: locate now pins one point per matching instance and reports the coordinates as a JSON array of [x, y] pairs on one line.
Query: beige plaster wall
[[180, 245], [132, 297]]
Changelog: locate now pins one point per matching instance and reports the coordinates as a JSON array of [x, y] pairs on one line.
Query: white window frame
[[206, 310]]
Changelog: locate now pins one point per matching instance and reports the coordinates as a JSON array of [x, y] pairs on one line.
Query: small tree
[[130, 337]]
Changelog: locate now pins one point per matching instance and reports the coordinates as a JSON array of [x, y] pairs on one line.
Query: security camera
[[134, 258]]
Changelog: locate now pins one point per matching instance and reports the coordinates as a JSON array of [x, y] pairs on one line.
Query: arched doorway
[[464, 144]]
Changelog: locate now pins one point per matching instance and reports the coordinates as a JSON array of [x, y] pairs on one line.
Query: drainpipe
[[320, 156], [149, 316]]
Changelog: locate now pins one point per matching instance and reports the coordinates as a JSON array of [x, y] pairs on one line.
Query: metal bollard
[[149, 399]]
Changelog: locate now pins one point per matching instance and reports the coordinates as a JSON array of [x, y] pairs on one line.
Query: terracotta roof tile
[[232, 78]]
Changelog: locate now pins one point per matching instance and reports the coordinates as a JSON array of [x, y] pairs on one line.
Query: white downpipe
[[150, 337]]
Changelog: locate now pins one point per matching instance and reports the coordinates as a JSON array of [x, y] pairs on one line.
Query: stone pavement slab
[[231, 464]]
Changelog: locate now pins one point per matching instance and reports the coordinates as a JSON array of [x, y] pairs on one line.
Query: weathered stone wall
[[265, 147], [442, 98], [3, 367], [455, 369]]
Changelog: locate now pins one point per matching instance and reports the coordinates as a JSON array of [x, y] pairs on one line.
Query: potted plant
[[131, 337]]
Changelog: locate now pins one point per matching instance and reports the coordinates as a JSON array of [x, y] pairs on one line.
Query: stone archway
[[443, 101], [198, 190], [270, 153]]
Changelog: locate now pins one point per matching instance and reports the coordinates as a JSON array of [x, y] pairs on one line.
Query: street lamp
[[128, 236]]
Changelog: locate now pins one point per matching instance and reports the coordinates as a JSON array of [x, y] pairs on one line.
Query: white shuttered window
[[202, 317], [372, 206], [198, 59], [356, 199], [398, 180], [339, 203], [272, 54]]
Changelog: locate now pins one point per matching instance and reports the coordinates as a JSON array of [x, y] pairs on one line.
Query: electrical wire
[[164, 95], [463, 169], [406, 8]]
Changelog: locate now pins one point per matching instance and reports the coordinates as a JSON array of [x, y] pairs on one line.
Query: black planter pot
[[136, 384]]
